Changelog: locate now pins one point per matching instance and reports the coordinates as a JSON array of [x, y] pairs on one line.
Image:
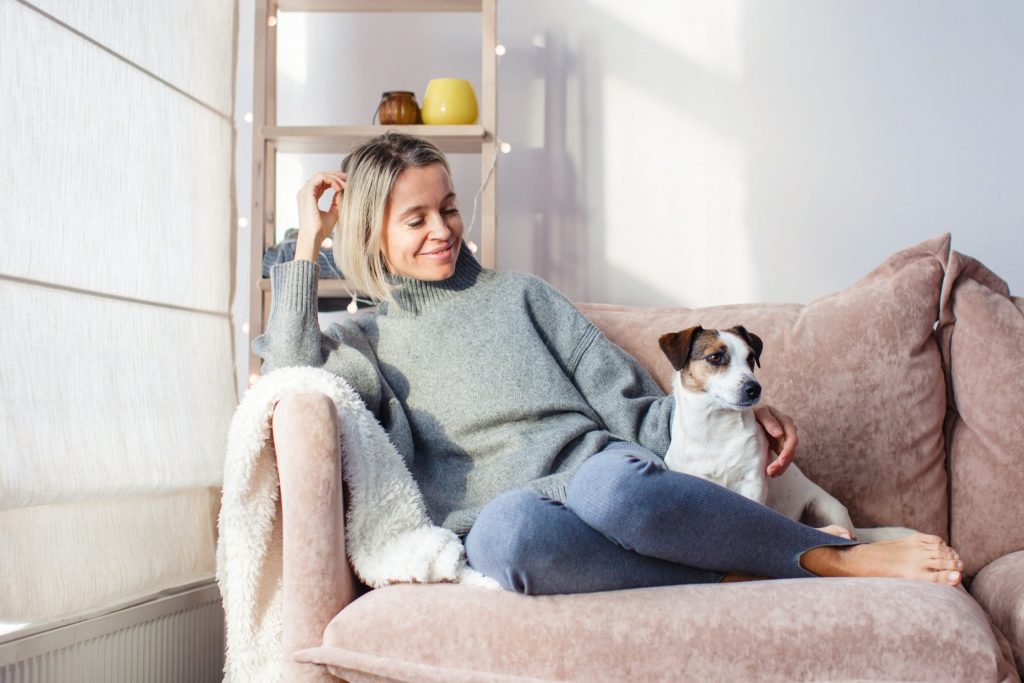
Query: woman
[[530, 434]]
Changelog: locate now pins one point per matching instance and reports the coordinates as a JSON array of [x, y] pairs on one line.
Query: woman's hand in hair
[[315, 225]]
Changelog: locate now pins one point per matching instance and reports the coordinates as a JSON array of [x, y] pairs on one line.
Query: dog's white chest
[[726, 447]]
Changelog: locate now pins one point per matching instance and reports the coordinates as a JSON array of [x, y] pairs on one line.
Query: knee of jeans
[[609, 476], [498, 544]]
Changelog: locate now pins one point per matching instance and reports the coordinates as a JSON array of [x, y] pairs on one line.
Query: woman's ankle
[[826, 560]]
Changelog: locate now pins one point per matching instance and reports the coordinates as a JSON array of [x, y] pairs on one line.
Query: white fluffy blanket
[[389, 537]]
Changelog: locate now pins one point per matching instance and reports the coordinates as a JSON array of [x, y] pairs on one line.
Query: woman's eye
[[451, 211]]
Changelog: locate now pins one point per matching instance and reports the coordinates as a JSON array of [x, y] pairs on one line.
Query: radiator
[[175, 637]]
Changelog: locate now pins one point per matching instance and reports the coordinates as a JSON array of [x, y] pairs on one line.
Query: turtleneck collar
[[413, 297]]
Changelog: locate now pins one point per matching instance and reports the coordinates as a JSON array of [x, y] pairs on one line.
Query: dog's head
[[719, 363]]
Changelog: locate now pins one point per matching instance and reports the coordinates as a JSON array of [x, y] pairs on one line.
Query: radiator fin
[[175, 639]]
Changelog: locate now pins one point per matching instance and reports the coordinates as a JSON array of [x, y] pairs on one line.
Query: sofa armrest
[[317, 579], [999, 588]]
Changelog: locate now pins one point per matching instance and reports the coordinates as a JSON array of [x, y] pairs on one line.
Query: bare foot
[[918, 556]]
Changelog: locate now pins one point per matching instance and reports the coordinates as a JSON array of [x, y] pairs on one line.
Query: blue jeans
[[628, 521]]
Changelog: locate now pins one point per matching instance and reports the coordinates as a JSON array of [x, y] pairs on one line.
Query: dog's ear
[[753, 341], [677, 345]]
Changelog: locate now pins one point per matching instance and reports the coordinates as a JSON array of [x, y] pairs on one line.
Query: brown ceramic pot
[[398, 107]]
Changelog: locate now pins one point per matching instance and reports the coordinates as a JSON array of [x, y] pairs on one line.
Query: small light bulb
[[538, 40], [248, 117], [505, 148], [272, 20], [243, 222], [352, 307], [245, 328], [252, 379], [499, 50], [472, 246], [327, 243]]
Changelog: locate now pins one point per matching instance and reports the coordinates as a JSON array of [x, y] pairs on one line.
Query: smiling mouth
[[440, 251]]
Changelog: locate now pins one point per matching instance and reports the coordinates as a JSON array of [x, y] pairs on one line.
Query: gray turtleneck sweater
[[485, 381]]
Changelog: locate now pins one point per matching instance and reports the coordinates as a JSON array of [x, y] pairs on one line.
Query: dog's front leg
[[754, 487]]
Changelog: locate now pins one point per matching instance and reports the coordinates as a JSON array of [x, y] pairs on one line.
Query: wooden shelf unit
[[269, 138], [330, 139]]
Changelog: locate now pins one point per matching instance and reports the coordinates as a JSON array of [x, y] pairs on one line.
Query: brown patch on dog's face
[[708, 357], [697, 354]]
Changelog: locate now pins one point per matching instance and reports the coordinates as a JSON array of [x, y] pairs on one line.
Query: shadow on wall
[[626, 176], [687, 153]]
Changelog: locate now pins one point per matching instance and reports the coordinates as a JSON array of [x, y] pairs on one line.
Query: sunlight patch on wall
[[291, 31], [687, 201], [706, 33]]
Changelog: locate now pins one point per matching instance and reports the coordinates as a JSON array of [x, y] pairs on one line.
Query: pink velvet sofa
[[906, 388]]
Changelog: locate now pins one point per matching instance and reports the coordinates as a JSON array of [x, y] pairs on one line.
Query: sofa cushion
[[859, 371], [764, 630], [982, 337], [999, 587]]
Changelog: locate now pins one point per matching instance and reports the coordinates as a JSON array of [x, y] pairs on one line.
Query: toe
[[943, 564]]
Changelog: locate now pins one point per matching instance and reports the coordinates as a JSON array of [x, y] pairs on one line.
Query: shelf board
[[339, 139], [380, 5], [326, 289]]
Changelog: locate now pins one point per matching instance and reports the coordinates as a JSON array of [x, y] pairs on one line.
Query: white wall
[[701, 153], [717, 152]]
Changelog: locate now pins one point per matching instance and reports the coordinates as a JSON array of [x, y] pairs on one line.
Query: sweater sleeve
[[293, 335], [620, 390], [624, 394]]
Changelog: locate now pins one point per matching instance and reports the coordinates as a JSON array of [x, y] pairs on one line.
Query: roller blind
[[115, 285]]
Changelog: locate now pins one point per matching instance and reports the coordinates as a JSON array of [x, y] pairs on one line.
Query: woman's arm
[[293, 335], [620, 390]]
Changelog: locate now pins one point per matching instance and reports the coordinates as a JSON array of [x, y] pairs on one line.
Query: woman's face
[[422, 225]]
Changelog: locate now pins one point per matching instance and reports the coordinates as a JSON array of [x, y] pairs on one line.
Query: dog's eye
[[715, 358]]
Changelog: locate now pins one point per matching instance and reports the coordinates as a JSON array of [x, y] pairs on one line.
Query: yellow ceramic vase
[[449, 102]]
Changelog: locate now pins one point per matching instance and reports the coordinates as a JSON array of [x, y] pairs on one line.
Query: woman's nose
[[439, 228]]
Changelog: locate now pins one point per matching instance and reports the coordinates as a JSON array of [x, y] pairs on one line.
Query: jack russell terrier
[[715, 435]]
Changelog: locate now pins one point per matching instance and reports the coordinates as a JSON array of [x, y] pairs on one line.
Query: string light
[[506, 148]]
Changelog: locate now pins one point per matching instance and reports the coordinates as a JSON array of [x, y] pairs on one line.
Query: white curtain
[[116, 258]]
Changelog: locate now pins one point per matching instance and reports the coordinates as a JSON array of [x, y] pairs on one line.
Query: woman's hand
[[315, 225], [782, 439]]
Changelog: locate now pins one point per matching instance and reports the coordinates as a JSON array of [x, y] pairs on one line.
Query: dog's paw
[[836, 530]]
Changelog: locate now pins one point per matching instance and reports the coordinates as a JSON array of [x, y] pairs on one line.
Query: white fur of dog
[[716, 436]]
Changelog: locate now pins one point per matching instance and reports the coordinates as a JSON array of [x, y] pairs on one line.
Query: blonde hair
[[373, 167]]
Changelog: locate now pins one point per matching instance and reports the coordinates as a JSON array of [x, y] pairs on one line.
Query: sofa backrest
[[861, 373]]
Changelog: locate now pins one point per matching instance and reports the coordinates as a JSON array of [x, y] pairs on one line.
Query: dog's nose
[[751, 389]]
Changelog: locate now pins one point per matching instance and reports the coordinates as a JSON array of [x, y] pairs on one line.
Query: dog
[[714, 434]]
